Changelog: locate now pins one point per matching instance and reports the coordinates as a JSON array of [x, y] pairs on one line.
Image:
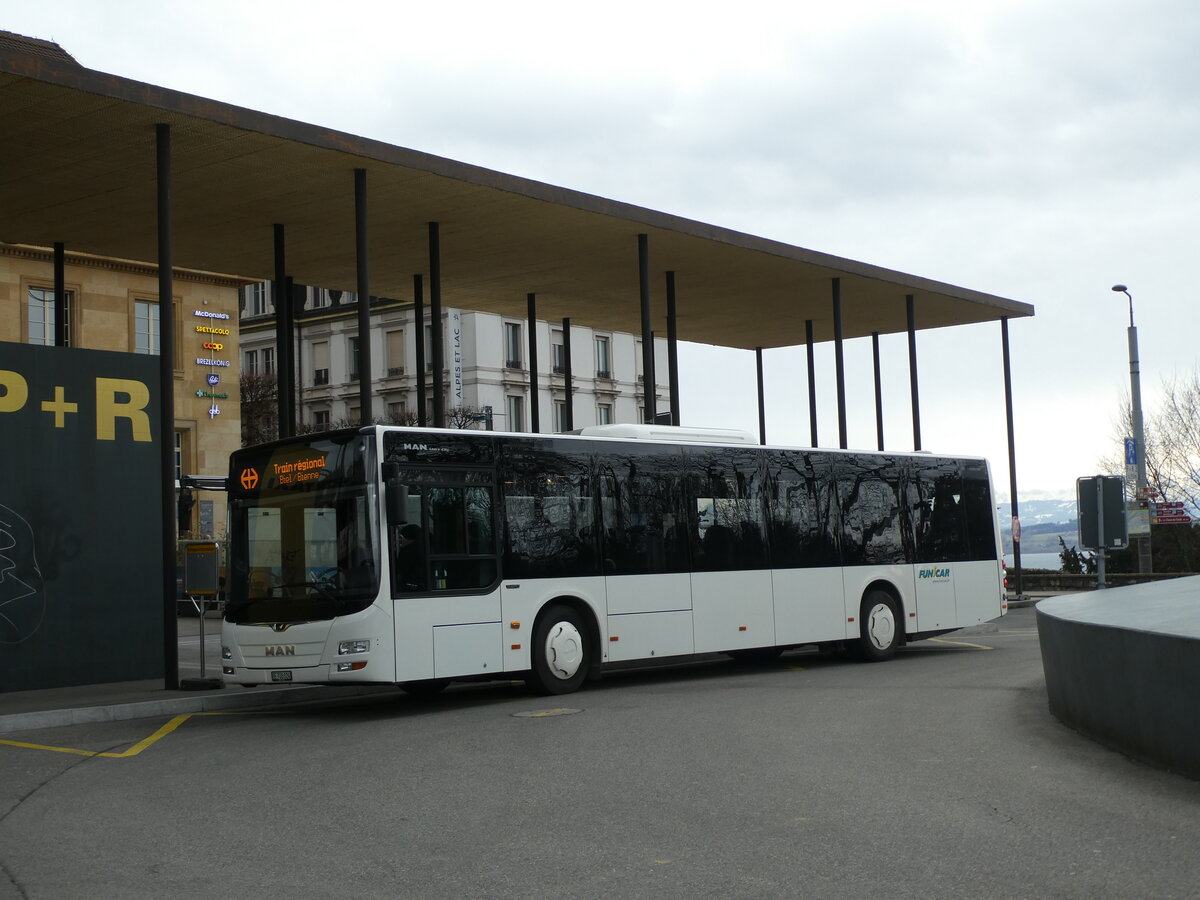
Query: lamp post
[[1145, 564]]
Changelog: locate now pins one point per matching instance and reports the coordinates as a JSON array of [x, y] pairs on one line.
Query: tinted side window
[[802, 515], [979, 511], [726, 494], [937, 514], [873, 530], [549, 512], [641, 492]]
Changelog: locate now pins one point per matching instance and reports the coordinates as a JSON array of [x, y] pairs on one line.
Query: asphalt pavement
[[114, 701], [79, 704]]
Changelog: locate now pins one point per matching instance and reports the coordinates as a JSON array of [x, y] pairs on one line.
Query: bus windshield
[[303, 530]]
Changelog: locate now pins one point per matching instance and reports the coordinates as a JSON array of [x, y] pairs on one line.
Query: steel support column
[[437, 348], [285, 365], [535, 419], [1012, 452], [762, 401], [166, 404], [648, 406], [60, 294], [672, 349], [812, 382], [419, 328], [364, 296], [279, 298], [910, 306], [878, 391], [840, 362], [569, 402]]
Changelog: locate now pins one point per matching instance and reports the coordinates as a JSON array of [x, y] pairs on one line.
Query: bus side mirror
[[395, 499]]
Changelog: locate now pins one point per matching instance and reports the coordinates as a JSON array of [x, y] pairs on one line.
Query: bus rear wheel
[[561, 655], [878, 627]]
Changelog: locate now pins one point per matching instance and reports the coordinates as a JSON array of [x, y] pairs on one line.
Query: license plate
[[281, 676]]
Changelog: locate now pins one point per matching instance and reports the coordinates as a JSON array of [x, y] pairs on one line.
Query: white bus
[[421, 556]]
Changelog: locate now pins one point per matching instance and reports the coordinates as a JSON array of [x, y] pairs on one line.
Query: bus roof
[[671, 433]]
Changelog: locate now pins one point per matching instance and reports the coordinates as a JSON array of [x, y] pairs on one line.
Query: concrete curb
[[216, 701]]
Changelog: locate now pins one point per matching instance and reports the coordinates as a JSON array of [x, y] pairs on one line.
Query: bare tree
[[1172, 442], [465, 417], [260, 411], [1177, 426]]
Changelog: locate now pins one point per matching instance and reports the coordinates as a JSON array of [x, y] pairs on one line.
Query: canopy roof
[[77, 165]]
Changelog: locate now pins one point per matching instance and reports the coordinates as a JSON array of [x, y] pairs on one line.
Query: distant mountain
[[1039, 512]]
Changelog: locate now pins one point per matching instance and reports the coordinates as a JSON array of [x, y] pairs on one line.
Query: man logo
[[289, 650], [249, 479]]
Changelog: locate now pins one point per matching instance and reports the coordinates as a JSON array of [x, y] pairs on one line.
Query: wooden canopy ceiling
[[77, 165]]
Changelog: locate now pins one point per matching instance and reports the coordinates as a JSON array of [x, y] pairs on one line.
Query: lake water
[[1037, 560]]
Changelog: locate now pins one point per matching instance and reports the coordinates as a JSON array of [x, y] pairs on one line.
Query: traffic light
[[183, 508]]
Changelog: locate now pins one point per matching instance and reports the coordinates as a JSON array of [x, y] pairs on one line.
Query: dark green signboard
[[80, 542]]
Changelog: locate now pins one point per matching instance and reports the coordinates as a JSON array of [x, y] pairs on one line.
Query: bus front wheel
[[560, 651], [878, 627]]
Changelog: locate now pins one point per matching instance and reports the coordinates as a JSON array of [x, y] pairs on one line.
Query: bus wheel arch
[[880, 623], [566, 646]]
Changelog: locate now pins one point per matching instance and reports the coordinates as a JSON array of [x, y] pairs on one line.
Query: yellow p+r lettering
[[14, 391], [133, 408]]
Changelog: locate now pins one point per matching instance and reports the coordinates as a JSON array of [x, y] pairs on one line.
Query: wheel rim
[[881, 626], [564, 650]]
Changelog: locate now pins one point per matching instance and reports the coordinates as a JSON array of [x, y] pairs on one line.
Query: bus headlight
[[359, 646], [226, 653]]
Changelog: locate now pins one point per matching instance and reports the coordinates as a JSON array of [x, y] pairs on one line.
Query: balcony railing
[[395, 371]]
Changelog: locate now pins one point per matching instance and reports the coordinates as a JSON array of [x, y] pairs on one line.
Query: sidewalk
[[56, 707]]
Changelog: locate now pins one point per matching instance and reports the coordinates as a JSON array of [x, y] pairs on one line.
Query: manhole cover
[[545, 713]]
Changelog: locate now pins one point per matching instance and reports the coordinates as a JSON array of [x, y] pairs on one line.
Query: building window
[[558, 353], [353, 349], [604, 414], [397, 411], [178, 458], [250, 363], [603, 363], [145, 327], [268, 360], [41, 316], [514, 408], [320, 298], [256, 299], [560, 415], [428, 348], [512, 345], [321, 419], [320, 362], [395, 353]]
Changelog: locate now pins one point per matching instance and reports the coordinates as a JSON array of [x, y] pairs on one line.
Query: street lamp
[[1139, 434]]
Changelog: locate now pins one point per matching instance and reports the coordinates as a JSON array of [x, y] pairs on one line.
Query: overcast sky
[[1041, 151]]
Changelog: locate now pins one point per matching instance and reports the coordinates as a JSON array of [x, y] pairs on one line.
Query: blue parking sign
[[1130, 452]]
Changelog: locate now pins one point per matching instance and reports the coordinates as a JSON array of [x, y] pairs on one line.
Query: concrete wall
[[1123, 667]]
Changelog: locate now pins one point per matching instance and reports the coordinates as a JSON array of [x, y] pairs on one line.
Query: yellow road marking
[[124, 754], [962, 644]]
